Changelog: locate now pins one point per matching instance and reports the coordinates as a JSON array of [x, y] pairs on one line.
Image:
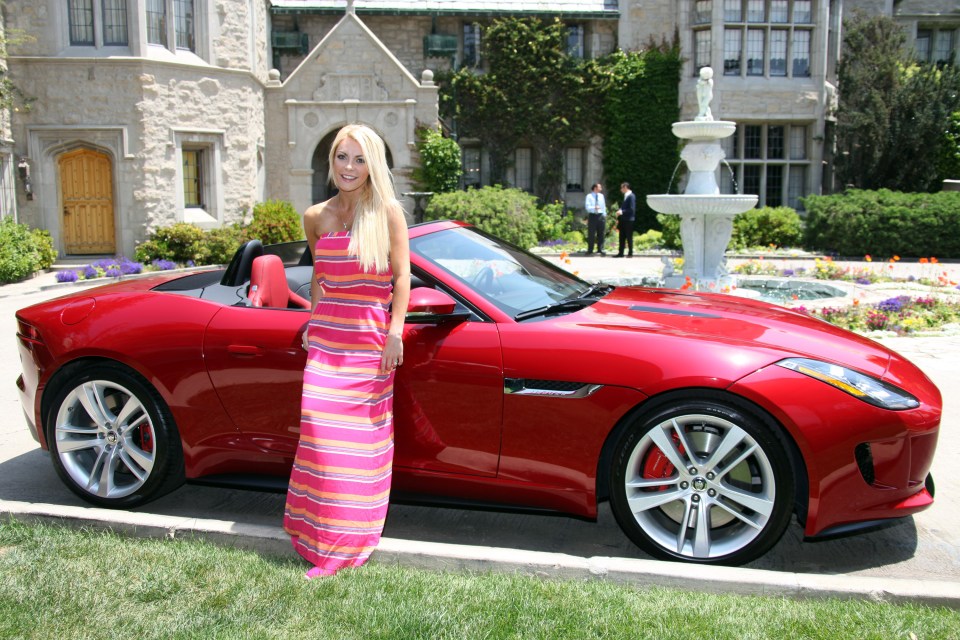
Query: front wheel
[[112, 439], [702, 481]]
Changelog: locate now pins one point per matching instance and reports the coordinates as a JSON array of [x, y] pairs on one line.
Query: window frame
[[754, 32], [197, 180], [573, 167], [763, 158], [99, 21]]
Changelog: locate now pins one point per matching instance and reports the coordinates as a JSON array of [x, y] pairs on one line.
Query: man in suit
[[596, 219], [625, 217]]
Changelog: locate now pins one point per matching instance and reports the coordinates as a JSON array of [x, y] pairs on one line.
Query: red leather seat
[[268, 285]]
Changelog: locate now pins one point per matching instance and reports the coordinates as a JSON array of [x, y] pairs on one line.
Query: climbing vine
[[641, 102]]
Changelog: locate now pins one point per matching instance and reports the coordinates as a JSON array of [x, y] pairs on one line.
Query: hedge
[[884, 223]]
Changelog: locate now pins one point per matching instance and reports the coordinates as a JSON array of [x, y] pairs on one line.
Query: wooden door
[[86, 184]]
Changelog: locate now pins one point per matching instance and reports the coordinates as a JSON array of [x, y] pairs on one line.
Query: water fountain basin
[[716, 204], [704, 129]]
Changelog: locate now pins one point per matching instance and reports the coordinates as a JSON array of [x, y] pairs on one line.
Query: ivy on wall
[[641, 102]]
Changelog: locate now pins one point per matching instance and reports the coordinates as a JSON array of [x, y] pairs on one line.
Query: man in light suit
[[596, 219], [625, 217]]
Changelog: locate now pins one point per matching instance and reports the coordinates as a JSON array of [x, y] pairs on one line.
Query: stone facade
[[264, 133]]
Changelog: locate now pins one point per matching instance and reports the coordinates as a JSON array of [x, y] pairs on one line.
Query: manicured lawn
[[64, 583]]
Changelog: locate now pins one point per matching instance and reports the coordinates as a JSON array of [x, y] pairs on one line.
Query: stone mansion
[[149, 112]]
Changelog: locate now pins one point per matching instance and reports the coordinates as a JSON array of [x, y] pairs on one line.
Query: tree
[[440, 168], [890, 109], [532, 91]]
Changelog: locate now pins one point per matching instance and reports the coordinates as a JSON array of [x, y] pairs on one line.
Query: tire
[[709, 464], [112, 439]]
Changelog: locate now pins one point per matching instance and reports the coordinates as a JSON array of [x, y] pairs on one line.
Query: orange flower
[[896, 257], [566, 260], [795, 297], [924, 260], [856, 302], [576, 273], [563, 254], [933, 260], [868, 258]]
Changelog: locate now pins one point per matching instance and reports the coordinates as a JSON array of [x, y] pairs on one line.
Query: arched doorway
[[322, 188], [86, 191]]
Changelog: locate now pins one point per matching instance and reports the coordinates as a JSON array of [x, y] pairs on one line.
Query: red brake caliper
[[658, 466]]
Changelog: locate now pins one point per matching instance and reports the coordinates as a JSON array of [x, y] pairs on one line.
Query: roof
[[595, 9]]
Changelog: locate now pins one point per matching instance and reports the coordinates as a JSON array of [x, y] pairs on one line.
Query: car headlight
[[859, 385]]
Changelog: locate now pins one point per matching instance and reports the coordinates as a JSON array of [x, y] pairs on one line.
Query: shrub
[[440, 168], [552, 222], [507, 213], [43, 243], [884, 223], [23, 251], [768, 226], [220, 244], [180, 242], [274, 221]]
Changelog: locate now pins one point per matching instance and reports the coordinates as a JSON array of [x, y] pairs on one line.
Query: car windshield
[[512, 279]]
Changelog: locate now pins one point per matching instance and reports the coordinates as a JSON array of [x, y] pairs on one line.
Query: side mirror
[[429, 306]]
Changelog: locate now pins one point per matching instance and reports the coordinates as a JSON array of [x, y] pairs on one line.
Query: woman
[[340, 483]]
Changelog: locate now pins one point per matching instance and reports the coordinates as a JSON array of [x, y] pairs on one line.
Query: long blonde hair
[[370, 232]]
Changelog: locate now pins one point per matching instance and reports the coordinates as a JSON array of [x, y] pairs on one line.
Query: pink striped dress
[[340, 483]]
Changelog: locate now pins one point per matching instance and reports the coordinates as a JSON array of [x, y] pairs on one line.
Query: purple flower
[[863, 280], [788, 272], [104, 263], [164, 265], [128, 267], [190, 263], [911, 278], [67, 276], [113, 272], [892, 305], [89, 272]]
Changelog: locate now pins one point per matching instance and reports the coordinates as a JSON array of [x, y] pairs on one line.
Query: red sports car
[[707, 420]]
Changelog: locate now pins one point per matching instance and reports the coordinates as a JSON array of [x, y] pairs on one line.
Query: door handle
[[244, 350]]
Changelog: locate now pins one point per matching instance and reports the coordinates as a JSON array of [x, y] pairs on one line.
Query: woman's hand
[[392, 353], [305, 341]]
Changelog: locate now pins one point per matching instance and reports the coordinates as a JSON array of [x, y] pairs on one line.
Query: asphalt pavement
[[915, 559]]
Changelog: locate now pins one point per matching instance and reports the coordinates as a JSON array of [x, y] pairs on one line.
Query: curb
[[436, 556]]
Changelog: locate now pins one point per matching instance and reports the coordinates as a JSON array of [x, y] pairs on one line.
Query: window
[[181, 30], [702, 51], [471, 166], [97, 23], [731, 52], [573, 168], [471, 44], [81, 22], [702, 11], [157, 22], [935, 45], [115, 22], [183, 11], [768, 160], [575, 40], [762, 32], [523, 169], [193, 178]]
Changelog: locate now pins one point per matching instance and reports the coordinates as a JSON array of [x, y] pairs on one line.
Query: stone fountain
[[706, 215]]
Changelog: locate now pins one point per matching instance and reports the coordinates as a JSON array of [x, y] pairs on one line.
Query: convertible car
[[707, 420]]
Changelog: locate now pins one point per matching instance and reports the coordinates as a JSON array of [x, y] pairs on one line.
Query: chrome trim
[[525, 387]]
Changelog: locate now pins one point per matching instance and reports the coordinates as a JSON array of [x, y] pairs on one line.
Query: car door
[[448, 395]]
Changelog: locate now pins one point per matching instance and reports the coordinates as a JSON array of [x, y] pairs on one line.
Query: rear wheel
[[112, 439], [702, 481]]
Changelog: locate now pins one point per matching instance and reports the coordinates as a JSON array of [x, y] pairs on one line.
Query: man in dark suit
[[625, 217]]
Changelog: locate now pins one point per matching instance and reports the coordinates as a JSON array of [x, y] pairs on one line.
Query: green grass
[[62, 583]]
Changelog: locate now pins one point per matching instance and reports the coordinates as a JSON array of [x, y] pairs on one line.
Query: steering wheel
[[485, 279]]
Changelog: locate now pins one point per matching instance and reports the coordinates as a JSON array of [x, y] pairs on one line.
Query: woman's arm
[[400, 263], [311, 221]]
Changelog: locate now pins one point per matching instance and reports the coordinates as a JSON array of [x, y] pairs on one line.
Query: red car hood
[[731, 319]]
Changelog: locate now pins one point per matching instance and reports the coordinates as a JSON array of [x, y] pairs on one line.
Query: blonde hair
[[370, 233]]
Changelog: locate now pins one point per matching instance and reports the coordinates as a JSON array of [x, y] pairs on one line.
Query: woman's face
[[350, 170]]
